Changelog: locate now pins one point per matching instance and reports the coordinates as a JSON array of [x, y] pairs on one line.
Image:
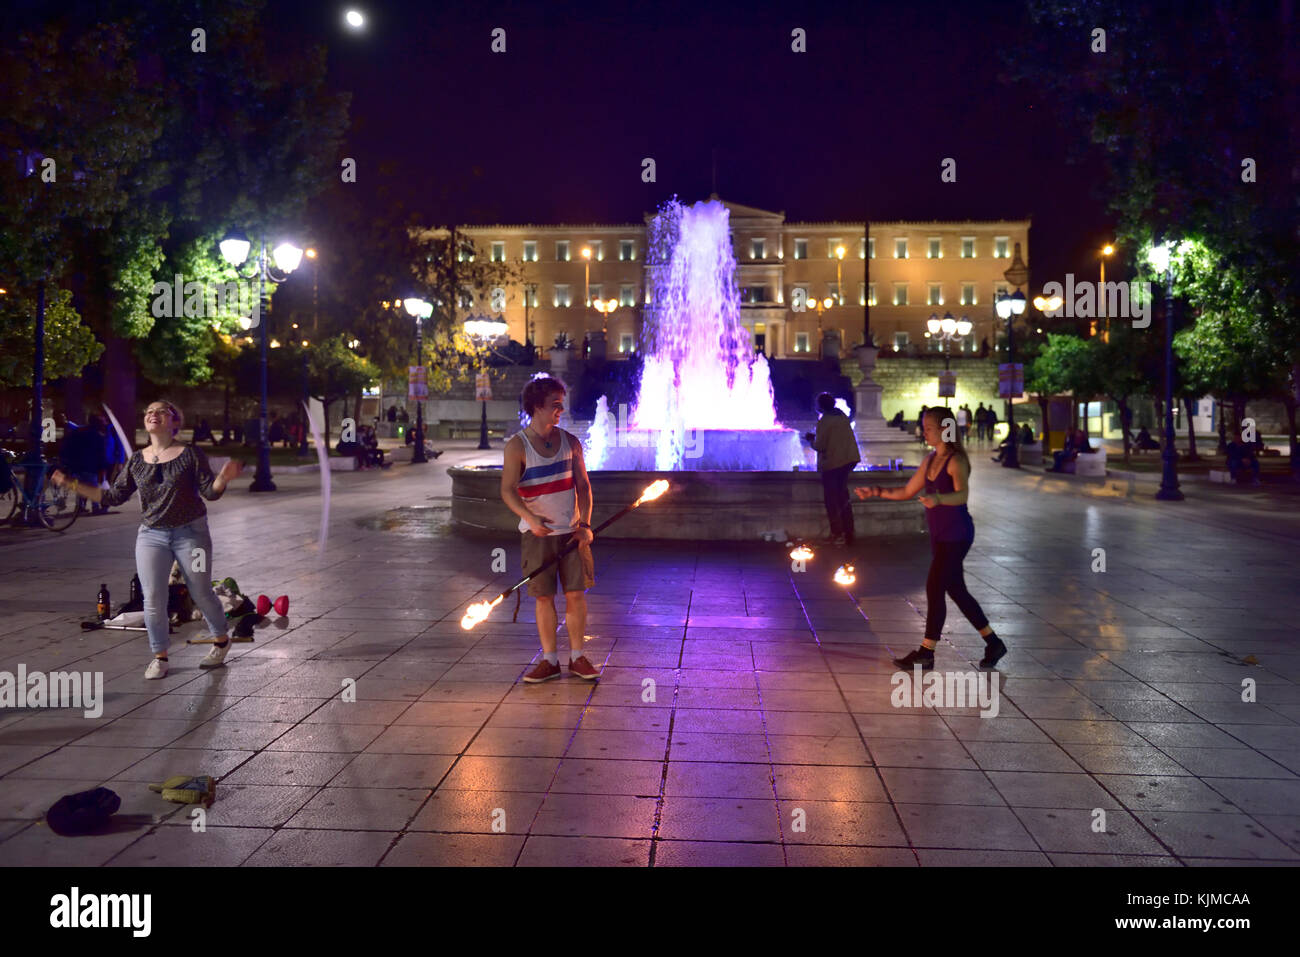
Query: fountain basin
[[700, 505]]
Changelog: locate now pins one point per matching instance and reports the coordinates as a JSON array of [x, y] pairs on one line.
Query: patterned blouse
[[169, 491]]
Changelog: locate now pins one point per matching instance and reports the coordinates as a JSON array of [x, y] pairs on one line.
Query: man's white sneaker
[[216, 657], [157, 669]]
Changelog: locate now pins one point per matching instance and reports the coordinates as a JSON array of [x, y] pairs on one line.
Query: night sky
[[854, 129]]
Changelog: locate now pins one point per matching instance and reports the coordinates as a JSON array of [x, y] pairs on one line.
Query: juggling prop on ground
[[242, 611]]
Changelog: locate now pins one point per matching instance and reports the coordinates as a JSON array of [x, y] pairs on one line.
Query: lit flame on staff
[[844, 575], [652, 492], [801, 553], [478, 611]]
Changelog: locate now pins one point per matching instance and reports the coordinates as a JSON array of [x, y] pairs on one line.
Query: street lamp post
[[1161, 257], [1107, 250], [948, 329], [315, 330], [421, 310], [234, 249], [1017, 274], [486, 330]]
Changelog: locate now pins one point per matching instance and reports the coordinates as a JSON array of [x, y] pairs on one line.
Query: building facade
[[797, 280]]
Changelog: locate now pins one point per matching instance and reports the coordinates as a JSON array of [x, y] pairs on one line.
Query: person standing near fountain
[[946, 484], [837, 454], [545, 483]]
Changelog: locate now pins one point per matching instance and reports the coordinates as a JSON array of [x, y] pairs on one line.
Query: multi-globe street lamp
[[1009, 307], [482, 331], [1161, 258], [420, 310], [947, 329], [234, 249]]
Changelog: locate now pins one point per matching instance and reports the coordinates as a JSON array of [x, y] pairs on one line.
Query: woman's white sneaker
[[216, 657], [157, 668]]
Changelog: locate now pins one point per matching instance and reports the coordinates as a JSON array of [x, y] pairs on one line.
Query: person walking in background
[[837, 454], [981, 423], [173, 479], [946, 487]]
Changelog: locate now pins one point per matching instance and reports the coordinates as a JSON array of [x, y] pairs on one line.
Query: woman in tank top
[[944, 480]]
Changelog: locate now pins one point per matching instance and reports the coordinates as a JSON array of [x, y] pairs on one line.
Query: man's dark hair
[[538, 391], [825, 402]]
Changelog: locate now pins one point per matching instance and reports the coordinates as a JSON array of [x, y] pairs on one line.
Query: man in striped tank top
[[545, 483]]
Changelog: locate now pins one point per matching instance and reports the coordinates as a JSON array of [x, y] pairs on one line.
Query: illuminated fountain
[[705, 400], [704, 419]]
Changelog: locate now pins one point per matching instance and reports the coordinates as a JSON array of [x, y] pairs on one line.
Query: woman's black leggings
[[946, 576]]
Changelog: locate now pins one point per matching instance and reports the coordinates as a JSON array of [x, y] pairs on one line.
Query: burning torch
[[480, 610]]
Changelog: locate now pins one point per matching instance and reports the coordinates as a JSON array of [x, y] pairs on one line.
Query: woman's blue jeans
[[191, 546]]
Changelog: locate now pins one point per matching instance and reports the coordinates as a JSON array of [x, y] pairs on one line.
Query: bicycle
[[30, 491]]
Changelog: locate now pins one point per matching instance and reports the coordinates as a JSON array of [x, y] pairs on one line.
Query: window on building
[[862, 247], [626, 250], [862, 294], [498, 252], [801, 292], [934, 249], [627, 295], [466, 299], [999, 290], [625, 343], [801, 342], [465, 253], [801, 249], [597, 251], [530, 295], [968, 247], [900, 341], [871, 248], [1000, 247], [934, 294], [831, 246], [871, 294], [562, 251], [968, 294], [594, 292], [900, 248], [530, 251], [900, 294], [562, 299], [758, 249]]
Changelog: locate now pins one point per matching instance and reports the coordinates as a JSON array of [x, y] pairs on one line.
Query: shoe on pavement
[[216, 657], [994, 650], [544, 671], [583, 668], [157, 669], [921, 656]]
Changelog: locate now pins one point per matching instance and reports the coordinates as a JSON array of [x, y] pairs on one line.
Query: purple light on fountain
[[701, 371]]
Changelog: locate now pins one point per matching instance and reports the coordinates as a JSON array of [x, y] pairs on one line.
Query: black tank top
[[948, 523]]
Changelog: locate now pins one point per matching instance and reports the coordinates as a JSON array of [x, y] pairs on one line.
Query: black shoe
[[994, 650], [921, 656]]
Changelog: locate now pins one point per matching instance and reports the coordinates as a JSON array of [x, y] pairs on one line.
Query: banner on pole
[[482, 386], [947, 384], [417, 383], [1011, 380]]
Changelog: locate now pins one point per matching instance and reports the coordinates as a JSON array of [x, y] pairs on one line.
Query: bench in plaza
[[1088, 463]]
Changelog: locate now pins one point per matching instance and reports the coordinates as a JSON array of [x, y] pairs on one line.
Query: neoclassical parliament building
[[904, 272]]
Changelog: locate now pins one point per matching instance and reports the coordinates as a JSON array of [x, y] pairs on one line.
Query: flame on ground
[[844, 575], [478, 611], [653, 491], [802, 553]]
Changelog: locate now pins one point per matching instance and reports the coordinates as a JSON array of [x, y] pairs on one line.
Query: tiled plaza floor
[[744, 714]]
